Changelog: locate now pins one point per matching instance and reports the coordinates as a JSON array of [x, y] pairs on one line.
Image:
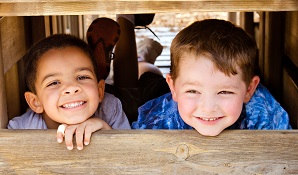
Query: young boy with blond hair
[[214, 84]]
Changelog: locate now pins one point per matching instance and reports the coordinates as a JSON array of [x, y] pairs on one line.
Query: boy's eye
[[82, 77], [225, 92], [192, 91], [53, 83]]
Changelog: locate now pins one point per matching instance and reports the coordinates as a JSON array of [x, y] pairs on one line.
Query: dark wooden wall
[[290, 67]]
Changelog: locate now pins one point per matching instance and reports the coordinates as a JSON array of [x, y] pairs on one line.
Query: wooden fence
[[151, 152]]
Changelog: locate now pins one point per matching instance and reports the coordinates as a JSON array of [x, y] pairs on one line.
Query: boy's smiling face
[[66, 86], [208, 100]]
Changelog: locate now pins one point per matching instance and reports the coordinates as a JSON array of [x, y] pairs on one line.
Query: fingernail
[[79, 148], [59, 140], [69, 147], [86, 143]]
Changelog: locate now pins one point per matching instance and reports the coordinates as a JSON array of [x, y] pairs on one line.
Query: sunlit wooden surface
[[80, 7], [151, 152]]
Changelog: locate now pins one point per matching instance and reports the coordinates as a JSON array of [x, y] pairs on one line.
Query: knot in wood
[[182, 152]]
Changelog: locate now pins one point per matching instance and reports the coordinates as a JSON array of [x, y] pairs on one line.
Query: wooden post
[[290, 76], [247, 22], [47, 26], [38, 28], [13, 92], [3, 103], [274, 42], [232, 16], [261, 42]]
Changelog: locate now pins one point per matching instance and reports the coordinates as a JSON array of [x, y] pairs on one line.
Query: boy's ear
[[33, 102], [101, 89], [170, 82], [251, 88]]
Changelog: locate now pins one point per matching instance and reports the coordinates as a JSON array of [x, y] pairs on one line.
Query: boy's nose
[[72, 89], [207, 104]]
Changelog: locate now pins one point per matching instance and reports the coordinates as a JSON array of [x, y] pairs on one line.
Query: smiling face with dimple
[[208, 100], [67, 90]]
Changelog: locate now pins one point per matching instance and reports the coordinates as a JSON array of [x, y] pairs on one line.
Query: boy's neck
[[49, 122]]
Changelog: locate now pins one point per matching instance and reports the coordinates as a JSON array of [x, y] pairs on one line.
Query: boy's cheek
[[185, 110]]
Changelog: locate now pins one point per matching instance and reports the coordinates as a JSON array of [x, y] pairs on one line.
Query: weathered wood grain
[[290, 94], [78, 7], [13, 46], [151, 152], [3, 102], [13, 40]]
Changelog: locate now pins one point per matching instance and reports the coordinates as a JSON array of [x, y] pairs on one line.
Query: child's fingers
[[60, 133], [69, 132], [80, 136], [60, 137], [87, 137]]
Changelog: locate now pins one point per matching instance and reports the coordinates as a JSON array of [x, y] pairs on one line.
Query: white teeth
[[209, 119], [73, 105]]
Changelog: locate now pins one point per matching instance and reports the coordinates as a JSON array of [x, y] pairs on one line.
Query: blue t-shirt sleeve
[[264, 112], [160, 113]]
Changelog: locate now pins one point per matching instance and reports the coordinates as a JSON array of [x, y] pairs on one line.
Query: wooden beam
[[290, 63], [38, 28], [260, 39], [273, 50], [3, 103], [79, 7], [247, 23], [47, 26], [151, 152], [291, 36], [290, 92], [13, 40], [13, 92], [54, 24]]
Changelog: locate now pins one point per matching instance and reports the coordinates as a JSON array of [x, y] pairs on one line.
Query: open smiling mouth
[[73, 105], [209, 119]]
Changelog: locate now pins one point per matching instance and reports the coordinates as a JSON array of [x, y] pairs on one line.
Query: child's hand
[[82, 131]]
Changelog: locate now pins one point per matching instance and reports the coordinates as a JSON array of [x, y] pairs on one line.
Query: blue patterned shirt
[[261, 112]]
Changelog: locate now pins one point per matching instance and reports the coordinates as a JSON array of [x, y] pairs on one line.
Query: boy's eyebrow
[[48, 76], [76, 70], [230, 86], [84, 68], [191, 83], [224, 86]]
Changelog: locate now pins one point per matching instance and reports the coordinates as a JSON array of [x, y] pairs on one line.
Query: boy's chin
[[210, 133], [75, 121]]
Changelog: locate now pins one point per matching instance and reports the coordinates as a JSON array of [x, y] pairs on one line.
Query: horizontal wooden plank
[[76, 7], [151, 152]]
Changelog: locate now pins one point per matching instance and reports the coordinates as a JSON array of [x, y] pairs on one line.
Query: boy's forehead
[[64, 52], [191, 58], [64, 57], [203, 72]]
